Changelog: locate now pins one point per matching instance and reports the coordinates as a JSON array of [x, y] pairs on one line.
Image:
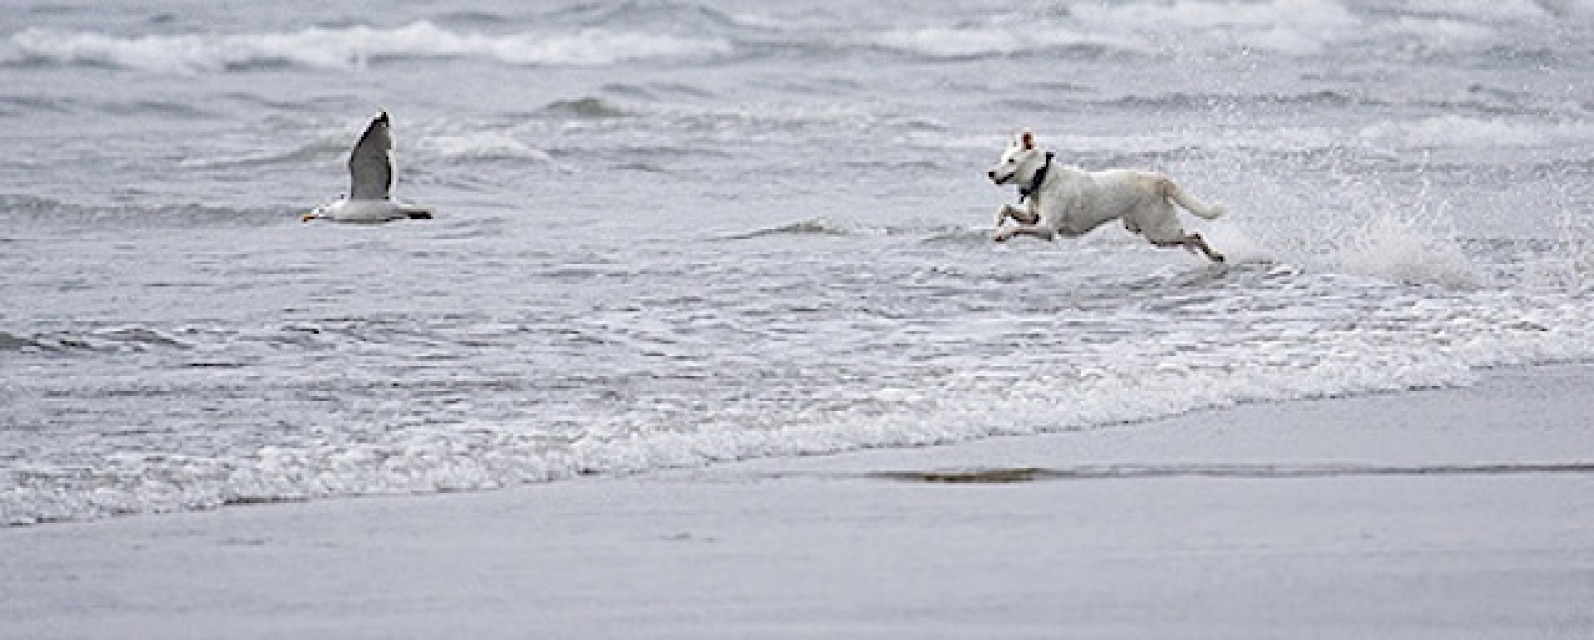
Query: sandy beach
[[709, 336], [1432, 514]]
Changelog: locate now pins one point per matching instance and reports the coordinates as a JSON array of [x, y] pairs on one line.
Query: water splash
[[1410, 246]]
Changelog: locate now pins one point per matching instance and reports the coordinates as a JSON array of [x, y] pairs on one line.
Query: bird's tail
[[415, 212]]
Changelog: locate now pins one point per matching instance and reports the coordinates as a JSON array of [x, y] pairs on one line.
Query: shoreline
[[1122, 531]]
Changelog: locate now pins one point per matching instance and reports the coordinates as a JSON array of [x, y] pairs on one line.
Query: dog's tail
[[1191, 203]]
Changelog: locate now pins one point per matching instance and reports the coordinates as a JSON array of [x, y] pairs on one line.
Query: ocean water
[[677, 233]]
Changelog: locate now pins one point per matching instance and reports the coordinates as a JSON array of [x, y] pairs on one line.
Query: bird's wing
[[370, 169]]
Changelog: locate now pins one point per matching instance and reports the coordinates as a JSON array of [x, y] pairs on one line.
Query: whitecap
[[349, 48], [1472, 132]]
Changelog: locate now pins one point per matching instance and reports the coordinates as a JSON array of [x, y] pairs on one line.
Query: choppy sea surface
[[677, 233]]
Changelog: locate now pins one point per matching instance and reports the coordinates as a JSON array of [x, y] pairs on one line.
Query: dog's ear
[[1027, 139]]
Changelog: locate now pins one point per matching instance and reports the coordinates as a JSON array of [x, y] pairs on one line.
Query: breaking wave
[[1296, 28], [946, 408], [595, 35], [350, 48]]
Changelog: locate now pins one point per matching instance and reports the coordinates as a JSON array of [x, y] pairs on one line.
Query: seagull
[[371, 181]]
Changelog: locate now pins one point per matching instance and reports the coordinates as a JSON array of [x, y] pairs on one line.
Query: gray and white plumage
[[370, 182]]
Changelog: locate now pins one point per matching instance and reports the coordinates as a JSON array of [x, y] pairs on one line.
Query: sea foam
[[1106, 388]]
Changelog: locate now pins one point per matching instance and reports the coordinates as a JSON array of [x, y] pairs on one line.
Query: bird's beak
[[307, 217]]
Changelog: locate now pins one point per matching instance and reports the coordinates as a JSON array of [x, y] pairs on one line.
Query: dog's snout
[[991, 174]]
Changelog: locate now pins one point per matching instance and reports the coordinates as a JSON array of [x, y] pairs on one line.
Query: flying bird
[[370, 196]]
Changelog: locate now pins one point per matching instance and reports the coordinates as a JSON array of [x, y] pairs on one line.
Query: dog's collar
[[1035, 182]]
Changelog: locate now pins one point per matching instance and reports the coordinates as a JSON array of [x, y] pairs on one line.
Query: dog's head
[[1019, 162]]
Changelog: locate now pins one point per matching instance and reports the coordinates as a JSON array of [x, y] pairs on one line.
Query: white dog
[[1069, 201]]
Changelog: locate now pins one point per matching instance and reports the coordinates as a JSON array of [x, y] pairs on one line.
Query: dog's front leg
[[1037, 231], [1007, 211], [1018, 214]]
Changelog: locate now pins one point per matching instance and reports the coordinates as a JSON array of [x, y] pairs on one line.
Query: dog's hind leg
[[1201, 243], [1193, 242]]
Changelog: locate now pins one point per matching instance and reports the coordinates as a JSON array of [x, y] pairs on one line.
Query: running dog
[[1062, 200]]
